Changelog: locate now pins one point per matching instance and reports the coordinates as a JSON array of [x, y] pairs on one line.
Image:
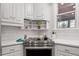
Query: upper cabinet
[[12, 14], [28, 10], [5, 10], [15, 13], [18, 12], [41, 11], [36, 11]]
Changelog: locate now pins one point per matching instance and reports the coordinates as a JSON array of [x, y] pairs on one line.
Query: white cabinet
[[60, 53], [28, 11], [19, 12], [12, 50], [66, 50], [5, 8], [38, 11], [12, 14], [17, 53], [41, 11], [46, 11], [7, 12]]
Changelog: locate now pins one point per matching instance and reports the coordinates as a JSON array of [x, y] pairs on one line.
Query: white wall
[[10, 33], [52, 19], [35, 33], [67, 34]]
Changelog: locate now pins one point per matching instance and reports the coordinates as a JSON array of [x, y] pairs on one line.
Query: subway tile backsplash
[[68, 34]]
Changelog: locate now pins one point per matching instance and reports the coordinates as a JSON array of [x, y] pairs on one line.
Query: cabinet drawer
[[60, 53], [17, 53], [11, 49], [67, 49]]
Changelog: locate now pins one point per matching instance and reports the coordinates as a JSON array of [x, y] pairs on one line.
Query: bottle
[[53, 35], [25, 37], [45, 40], [45, 37]]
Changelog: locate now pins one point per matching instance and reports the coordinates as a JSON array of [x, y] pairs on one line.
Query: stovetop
[[35, 42]]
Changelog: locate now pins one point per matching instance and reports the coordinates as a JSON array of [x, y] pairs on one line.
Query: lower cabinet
[[15, 50], [60, 53], [65, 50], [17, 53]]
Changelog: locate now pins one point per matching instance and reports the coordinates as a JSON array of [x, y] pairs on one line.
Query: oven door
[[38, 52]]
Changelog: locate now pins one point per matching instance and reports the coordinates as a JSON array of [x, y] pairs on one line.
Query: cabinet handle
[[18, 20], [12, 50], [66, 50], [12, 17], [5, 18]]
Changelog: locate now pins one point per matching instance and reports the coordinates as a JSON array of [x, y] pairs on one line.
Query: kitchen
[[39, 29]]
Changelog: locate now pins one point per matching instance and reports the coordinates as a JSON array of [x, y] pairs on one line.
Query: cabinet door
[[17, 53], [5, 8], [28, 11], [42, 11], [46, 11], [68, 49], [7, 12], [18, 12], [38, 11], [60, 53], [12, 14], [11, 49]]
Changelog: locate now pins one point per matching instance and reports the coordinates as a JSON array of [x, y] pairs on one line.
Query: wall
[[67, 34], [35, 33], [52, 19], [10, 33]]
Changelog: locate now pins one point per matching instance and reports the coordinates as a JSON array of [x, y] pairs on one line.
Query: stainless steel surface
[[0, 35], [38, 47], [35, 42]]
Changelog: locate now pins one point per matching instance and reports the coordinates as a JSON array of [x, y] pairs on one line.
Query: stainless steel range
[[39, 47]]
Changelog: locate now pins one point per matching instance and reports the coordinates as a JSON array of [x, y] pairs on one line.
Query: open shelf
[[34, 24]]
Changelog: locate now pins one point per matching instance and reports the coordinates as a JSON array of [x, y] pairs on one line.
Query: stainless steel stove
[[39, 47]]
